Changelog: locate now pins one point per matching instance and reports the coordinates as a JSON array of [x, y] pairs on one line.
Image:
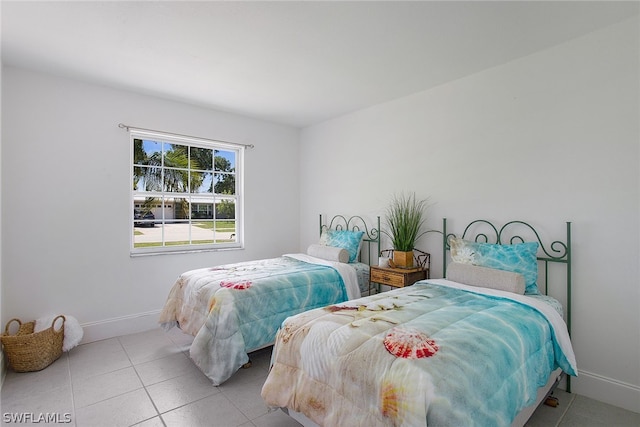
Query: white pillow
[[330, 253], [474, 275]]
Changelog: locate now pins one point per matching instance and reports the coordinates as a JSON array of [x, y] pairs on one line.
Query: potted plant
[[405, 217]]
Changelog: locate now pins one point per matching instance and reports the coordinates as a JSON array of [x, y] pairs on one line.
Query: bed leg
[[247, 365], [552, 401]]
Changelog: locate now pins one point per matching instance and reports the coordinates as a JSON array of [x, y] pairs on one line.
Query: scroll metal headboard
[[371, 237]]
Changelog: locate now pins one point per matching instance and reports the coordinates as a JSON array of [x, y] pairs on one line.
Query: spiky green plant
[[405, 217]]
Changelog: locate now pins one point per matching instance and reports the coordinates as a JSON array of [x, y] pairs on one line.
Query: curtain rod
[[127, 127]]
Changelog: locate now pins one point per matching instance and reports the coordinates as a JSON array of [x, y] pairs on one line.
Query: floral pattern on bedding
[[423, 355]]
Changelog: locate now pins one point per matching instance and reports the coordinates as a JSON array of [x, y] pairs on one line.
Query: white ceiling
[[296, 63]]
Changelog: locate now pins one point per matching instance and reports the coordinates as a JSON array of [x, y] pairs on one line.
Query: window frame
[[238, 198]]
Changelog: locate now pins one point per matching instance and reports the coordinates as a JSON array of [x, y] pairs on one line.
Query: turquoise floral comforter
[[435, 353], [237, 308]]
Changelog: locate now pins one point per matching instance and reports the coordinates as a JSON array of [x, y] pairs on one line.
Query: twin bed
[[482, 347], [235, 309]]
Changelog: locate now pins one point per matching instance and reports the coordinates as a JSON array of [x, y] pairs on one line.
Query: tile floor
[[148, 380]]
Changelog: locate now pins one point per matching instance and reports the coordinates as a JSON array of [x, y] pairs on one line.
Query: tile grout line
[[220, 390], [186, 353], [73, 397], [144, 387], [564, 413], [133, 365]]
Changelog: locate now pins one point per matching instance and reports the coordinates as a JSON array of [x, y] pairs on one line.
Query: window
[[186, 194]]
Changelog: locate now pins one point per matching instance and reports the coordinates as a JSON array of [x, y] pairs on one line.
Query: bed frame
[[370, 240], [511, 232]]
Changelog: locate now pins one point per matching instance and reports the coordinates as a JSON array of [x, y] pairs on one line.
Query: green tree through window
[[185, 194]]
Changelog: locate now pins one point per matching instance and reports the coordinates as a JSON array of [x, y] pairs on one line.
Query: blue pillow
[[518, 258], [349, 240]]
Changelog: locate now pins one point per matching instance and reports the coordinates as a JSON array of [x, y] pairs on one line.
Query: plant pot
[[403, 259]]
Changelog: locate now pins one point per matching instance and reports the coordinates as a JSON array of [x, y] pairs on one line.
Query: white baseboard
[[125, 325], [607, 390]]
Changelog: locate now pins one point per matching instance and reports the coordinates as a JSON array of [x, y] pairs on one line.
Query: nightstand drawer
[[387, 277], [396, 277]]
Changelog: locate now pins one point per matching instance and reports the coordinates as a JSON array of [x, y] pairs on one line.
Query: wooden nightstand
[[397, 277]]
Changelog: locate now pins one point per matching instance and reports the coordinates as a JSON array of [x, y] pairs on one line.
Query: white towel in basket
[[72, 330]]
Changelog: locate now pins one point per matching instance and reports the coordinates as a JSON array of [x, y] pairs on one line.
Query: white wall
[[2, 363], [66, 200], [549, 138]]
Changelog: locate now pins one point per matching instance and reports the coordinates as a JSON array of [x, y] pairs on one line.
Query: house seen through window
[[185, 194]]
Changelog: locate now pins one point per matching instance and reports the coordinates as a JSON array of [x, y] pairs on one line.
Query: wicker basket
[[28, 351]]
